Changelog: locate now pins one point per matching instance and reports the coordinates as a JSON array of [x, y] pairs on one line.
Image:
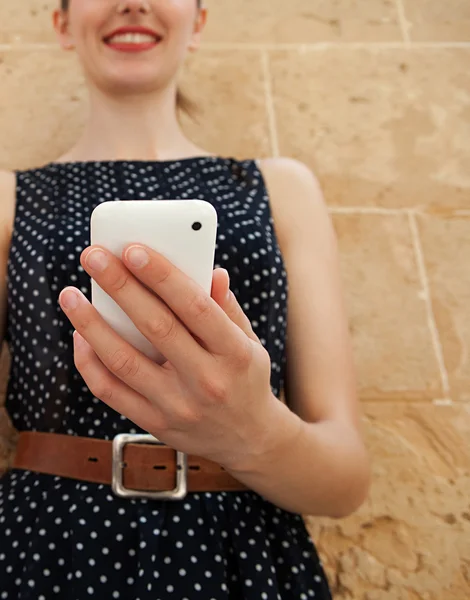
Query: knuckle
[[164, 272], [248, 324], [264, 358], [104, 393], [160, 426], [123, 364], [243, 356], [213, 389], [163, 328], [101, 388], [186, 417], [88, 321], [200, 307], [120, 281]]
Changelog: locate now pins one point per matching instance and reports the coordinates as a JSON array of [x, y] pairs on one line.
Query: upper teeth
[[132, 38]]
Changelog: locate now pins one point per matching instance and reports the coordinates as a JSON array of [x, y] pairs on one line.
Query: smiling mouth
[[132, 42]]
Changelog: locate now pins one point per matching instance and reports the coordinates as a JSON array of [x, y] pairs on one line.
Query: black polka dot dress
[[62, 538]]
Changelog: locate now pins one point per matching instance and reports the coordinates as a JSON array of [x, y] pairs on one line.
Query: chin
[[131, 86], [133, 81]]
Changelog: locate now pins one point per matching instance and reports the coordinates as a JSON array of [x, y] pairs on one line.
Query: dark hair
[[183, 103]]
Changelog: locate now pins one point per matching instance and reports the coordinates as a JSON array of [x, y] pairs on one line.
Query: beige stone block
[[301, 21], [275, 21], [380, 127], [392, 340], [43, 102], [228, 88], [435, 20], [410, 541], [27, 21], [446, 248]]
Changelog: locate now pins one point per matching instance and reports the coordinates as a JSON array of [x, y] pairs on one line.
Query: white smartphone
[[184, 231]]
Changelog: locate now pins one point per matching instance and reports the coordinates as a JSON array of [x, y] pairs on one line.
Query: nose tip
[[128, 6]]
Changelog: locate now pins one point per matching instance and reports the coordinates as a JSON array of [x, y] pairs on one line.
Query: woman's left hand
[[212, 398]]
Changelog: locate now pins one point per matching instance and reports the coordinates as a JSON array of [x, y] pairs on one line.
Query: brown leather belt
[[134, 465]]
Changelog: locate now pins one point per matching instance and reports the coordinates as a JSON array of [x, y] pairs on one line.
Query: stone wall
[[375, 97]]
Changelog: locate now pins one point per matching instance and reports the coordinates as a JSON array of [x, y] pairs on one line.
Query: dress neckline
[[143, 162]]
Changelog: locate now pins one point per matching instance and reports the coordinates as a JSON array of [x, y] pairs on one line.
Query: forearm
[[310, 468]]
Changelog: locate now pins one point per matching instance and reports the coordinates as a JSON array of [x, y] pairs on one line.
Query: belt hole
[[195, 468], [92, 459], [159, 467]]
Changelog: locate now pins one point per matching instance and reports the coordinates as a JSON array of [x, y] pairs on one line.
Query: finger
[[121, 358], [110, 389], [220, 285], [203, 317], [226, 299], [151, 316]]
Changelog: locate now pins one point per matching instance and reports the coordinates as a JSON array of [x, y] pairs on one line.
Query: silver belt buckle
[[121, 440]]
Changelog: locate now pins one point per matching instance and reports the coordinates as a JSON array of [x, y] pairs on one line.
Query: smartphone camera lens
[[197, 226]]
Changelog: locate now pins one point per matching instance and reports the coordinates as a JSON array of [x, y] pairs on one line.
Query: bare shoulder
[[296, 197], [7, 203], [290, 168], [7, 181]]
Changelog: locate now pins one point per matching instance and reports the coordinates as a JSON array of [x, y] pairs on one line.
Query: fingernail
[[97, 260], [69, 300], [137, 256]]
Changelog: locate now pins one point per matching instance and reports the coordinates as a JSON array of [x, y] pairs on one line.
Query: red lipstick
[[129, 41]]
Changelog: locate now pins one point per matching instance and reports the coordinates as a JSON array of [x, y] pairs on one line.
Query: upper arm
[[320, 382], [7, 213]]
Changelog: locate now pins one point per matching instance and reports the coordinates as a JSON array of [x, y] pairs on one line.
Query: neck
[[133, 127]]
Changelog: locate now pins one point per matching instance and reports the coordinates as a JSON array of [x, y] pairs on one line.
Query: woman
[[256, 463]]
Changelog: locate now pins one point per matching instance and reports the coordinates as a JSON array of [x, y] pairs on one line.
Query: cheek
[[178, 17], [87, 22]]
